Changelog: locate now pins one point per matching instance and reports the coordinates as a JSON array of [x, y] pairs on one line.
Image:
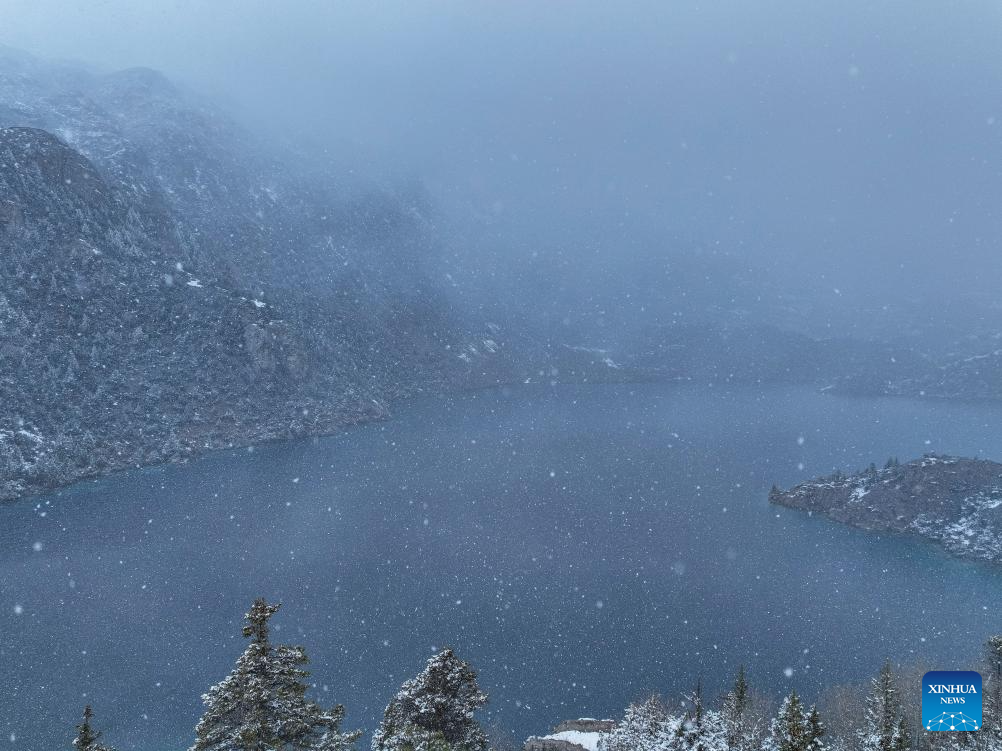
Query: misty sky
[[851, 141]]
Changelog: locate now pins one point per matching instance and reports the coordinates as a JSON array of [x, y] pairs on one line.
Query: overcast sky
[[840, 137]]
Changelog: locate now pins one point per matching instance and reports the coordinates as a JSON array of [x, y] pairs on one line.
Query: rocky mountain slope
[[953, 501], [166, 287], [746, 353], [968, 367], [969, 376]]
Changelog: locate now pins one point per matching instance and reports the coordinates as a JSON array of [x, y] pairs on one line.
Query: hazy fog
[[636, 210], [851, 149]]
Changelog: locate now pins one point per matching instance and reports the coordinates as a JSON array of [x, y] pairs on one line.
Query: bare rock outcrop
[[571, 735]]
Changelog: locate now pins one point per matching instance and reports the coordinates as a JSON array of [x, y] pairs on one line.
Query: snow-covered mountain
[[168, 286]]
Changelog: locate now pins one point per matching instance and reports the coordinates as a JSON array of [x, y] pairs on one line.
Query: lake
[[579, 545]]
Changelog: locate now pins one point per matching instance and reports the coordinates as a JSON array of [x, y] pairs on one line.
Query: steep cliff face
[[953, 501], [167, 287]]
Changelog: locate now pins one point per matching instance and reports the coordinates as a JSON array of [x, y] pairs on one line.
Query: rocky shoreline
[[952, 501]]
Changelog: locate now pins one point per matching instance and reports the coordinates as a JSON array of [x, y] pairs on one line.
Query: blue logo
[[951, 700]]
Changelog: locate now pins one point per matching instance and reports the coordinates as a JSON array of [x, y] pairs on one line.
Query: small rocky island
[[954, 501]]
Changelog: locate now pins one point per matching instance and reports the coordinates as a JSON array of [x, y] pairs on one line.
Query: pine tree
[[87, 738], [991, 728], [960, 740], [885, 728], [434, 711], [646, 726], [815, 731], [699, 730], [740, 731], [697, 706], [993, 656], [789, 730], [261, 705]]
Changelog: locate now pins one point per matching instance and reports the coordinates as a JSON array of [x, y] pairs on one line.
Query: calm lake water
[[579, 545]]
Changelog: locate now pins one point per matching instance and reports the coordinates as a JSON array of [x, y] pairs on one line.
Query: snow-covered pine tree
[[993, 656], [961, 740], [815, 730], [885, 728], [991, 728], [261, 705], [87, 738], [789, 728], [434, 711], [646, 726], [702, 729], [796, 728], [741, 730], [711, 735], [734, 708]]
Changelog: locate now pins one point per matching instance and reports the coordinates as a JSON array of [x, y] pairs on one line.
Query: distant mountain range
[[962, 376], [953, 501]]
